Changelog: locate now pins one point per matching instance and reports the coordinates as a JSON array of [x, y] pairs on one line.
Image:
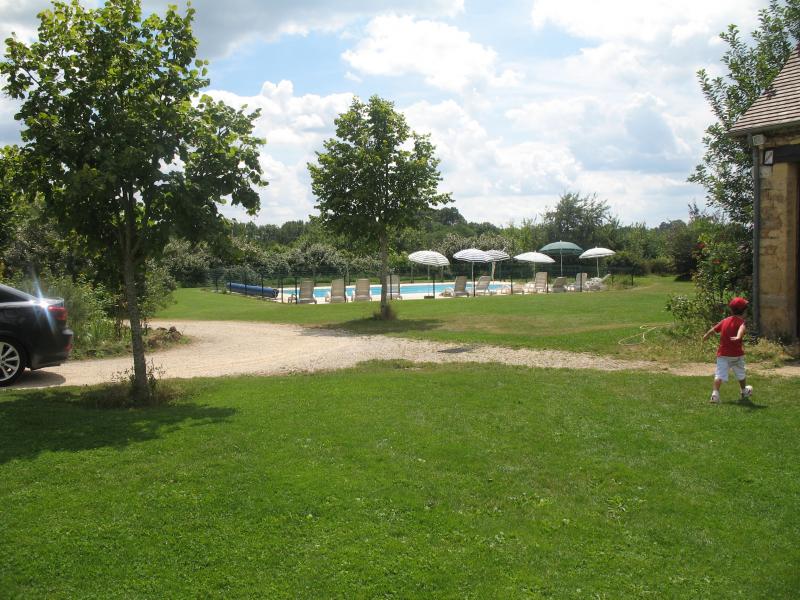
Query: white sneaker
[[714, 397], [747, 392]]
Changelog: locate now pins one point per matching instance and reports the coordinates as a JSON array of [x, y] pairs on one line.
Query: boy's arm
[[709, 332], [740, 333]]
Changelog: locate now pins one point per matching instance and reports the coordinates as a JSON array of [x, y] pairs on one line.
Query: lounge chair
[[596, 284], [538, 285], [482, 286], [512, 288], [580, 283], [559, 285], [393, 287], [362, 292], [306, 292], [337, 292], [460, 287], [540, 282]]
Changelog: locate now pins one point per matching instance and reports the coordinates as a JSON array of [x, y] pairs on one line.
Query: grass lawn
[[589, 322], [398, 481]]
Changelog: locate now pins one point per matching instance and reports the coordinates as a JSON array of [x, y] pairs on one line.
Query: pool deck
[[504, 289]]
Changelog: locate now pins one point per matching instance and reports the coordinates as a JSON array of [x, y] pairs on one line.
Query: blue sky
[[524, 99]]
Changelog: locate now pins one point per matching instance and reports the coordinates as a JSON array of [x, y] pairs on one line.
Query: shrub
[[120, 393], [88, 307], [628, 262], [660, 266]]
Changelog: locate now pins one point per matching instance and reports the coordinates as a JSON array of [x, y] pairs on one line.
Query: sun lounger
[[482, 286], [596, 284], [515, 288], [393, 287], [337, 292], [538, 285], [559, 285], [306, 292], [460, 287], [362, 293], [580, 283]]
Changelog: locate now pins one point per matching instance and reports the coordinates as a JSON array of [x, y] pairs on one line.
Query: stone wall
[[778, 243]]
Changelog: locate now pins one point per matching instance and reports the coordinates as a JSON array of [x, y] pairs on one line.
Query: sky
[[524, 99]]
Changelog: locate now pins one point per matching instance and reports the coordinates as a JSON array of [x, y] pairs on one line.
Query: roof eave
[[734, 132]]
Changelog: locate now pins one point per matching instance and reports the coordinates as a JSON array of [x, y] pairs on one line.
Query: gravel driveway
[[234, 348]]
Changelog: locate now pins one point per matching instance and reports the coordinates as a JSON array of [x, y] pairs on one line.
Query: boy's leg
[[715, 391], [720, 375], [741, 376]]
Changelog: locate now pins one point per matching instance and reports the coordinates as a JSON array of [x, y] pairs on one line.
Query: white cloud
[[477, 166], [445, 56], [224, 26], [496, 180], [674, 21], [294, 127], [636, 133], [19, 17]]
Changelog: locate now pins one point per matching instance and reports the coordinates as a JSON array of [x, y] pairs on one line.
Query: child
[[730, 354]]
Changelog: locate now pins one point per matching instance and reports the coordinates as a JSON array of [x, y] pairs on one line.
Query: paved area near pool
[[220, 348]]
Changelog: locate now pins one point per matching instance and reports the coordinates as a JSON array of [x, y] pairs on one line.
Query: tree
[[126, 150], [448, 216], [726, 169], [578, 219], [10, 191], [370, 184]]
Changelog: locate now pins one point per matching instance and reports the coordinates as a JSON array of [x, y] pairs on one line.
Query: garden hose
[[641, 337]]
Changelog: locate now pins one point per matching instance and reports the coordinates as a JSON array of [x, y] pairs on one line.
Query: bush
[[628, 262], [660, 266], [694, 315], [88, 307], [119, 394]]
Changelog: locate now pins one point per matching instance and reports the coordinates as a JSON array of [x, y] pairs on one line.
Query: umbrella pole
[[472, 265], [561, 254], [598, 267]]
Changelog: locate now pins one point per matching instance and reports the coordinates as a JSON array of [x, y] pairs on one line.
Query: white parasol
[[431, 259], [534, 257], [497, 256], [473, 255], [597, 253]]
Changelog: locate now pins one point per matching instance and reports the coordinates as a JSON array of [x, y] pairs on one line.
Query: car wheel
[[12, 361]]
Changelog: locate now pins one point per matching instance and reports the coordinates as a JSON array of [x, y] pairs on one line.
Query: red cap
[[738, 303]]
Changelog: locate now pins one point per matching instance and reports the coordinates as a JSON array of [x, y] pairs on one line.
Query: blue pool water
[[405, 288]]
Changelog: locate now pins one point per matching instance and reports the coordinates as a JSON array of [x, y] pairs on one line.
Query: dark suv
[[33, 333]]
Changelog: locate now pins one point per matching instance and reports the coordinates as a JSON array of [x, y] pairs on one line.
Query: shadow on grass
[[376, 326], [60, 421], [747, 403]]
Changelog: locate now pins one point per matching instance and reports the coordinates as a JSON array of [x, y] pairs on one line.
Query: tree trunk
[[141, 391], [384, 271]]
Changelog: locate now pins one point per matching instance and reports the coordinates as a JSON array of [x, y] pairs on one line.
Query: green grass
[[399, 481], [590, 322]]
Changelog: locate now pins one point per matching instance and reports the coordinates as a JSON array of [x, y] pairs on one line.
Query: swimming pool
[[405, 288]]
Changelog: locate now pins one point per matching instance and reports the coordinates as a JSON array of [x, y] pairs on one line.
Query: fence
[[286, 284]]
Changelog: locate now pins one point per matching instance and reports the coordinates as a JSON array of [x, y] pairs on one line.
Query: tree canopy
[[375, 178], [725, 171], [123, 147]]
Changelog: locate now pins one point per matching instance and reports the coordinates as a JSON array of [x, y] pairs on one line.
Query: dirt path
[[234, 348]]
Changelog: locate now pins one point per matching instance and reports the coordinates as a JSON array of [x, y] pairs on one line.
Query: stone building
[[772, 127]]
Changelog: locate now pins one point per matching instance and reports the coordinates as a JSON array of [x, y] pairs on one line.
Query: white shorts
[[725, 363]]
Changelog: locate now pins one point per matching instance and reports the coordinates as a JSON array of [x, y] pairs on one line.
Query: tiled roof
[[778, 106]]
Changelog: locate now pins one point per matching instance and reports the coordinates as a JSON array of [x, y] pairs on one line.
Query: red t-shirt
[[727, 329]]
